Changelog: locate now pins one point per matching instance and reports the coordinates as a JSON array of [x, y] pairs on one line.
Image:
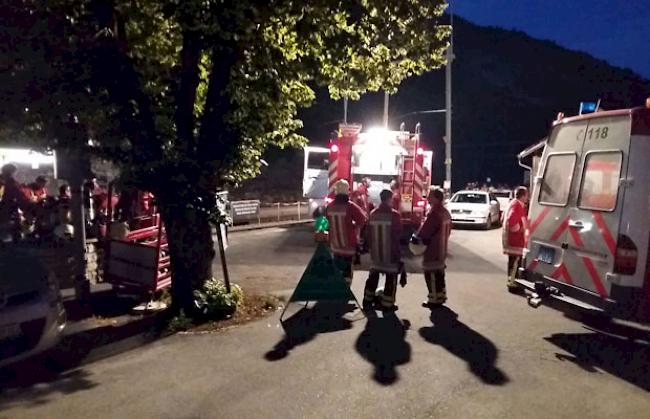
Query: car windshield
[[470, 198]]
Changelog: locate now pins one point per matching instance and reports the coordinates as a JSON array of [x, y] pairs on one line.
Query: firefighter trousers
[[344, 264], [435, 281], [514, 262], [388, 298]]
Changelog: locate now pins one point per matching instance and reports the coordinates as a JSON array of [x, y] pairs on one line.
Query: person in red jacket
[[361, 197], [515, 224], [385, 228], [434, 233], [38, 189], [345, 219], [13, 202], [396, 201]]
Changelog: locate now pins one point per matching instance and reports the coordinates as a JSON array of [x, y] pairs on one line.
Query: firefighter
[[385, 228], [345, 219], [36, 191], [361, 198], [13, 201], [360, 195], [396, 201], [434, 233], [515, 224], [64, 194]]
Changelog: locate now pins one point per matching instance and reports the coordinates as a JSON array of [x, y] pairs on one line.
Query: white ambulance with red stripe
[[589, 228], [383, 156]]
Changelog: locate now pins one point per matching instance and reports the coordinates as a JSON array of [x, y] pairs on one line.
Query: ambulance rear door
[[549, 207], [596, 204]]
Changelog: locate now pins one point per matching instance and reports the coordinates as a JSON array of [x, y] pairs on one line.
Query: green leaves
[[118, 66]]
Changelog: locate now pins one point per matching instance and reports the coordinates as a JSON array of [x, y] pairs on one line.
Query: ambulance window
[[556, 182], [599, 189]]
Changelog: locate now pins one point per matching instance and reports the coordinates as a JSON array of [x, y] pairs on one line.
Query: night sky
[[617, 31]]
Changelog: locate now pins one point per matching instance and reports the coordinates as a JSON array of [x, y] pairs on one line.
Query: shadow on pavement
[[625, 356], [476, 350], [67, 383], [302, 327], [53, 371], [383, 344]]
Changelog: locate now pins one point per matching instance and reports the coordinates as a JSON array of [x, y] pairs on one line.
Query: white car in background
[[474, 208], [32, 316]]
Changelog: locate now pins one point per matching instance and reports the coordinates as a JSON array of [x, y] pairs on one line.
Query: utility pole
[[345, 110], [450, 59], [386, 95]]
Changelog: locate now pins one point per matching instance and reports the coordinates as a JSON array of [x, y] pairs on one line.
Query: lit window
[[599, 189]]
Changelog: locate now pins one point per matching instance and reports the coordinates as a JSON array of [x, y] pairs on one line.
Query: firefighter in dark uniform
[[345, 219], [385, 229], [434, 233]]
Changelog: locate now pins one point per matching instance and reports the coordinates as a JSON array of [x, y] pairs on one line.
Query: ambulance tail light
[[626, 256]]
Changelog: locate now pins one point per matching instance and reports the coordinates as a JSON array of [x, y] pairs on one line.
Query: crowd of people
[[353, 221], [477, 186], [28, 211]]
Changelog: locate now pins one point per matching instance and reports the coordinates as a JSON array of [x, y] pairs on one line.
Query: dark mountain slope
[[507, 88]]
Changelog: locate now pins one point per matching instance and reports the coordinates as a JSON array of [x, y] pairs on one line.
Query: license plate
[[9, 331], [546, 254]]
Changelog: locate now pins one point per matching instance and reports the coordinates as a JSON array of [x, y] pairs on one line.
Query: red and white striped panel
[[333, 171], [420, 181]]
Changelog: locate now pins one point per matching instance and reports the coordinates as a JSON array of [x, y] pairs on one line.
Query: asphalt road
[[488, 355]]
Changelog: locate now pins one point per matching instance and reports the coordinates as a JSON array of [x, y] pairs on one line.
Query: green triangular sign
[[322, 280]]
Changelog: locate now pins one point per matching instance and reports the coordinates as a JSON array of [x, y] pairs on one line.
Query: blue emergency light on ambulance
[[588, 107]]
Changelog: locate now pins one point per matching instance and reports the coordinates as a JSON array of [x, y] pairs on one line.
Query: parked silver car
[[32, 316]]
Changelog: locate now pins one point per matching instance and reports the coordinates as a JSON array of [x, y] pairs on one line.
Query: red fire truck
[[381, 155]]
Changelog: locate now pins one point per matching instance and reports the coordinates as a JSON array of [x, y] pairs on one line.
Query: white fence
[[268, 212]]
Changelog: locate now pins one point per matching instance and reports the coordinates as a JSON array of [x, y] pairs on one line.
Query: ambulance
[[379, 154], [589, 214]]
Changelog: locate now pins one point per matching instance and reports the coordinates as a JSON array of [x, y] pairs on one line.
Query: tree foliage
[[187, 94]]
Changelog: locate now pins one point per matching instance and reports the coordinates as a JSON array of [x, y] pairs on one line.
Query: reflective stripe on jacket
[[385, 229], [344, 218]]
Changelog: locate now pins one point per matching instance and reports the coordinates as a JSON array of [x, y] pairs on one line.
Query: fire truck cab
[[589, 234]]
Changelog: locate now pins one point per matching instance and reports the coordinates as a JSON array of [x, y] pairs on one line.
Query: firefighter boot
[[511, 284], [388, 297], [370, 291], [437, 290]]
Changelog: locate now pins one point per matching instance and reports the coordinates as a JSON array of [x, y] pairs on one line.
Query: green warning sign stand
[[321, 281]]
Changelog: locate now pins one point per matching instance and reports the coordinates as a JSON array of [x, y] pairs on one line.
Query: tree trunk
[[192, 250]]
